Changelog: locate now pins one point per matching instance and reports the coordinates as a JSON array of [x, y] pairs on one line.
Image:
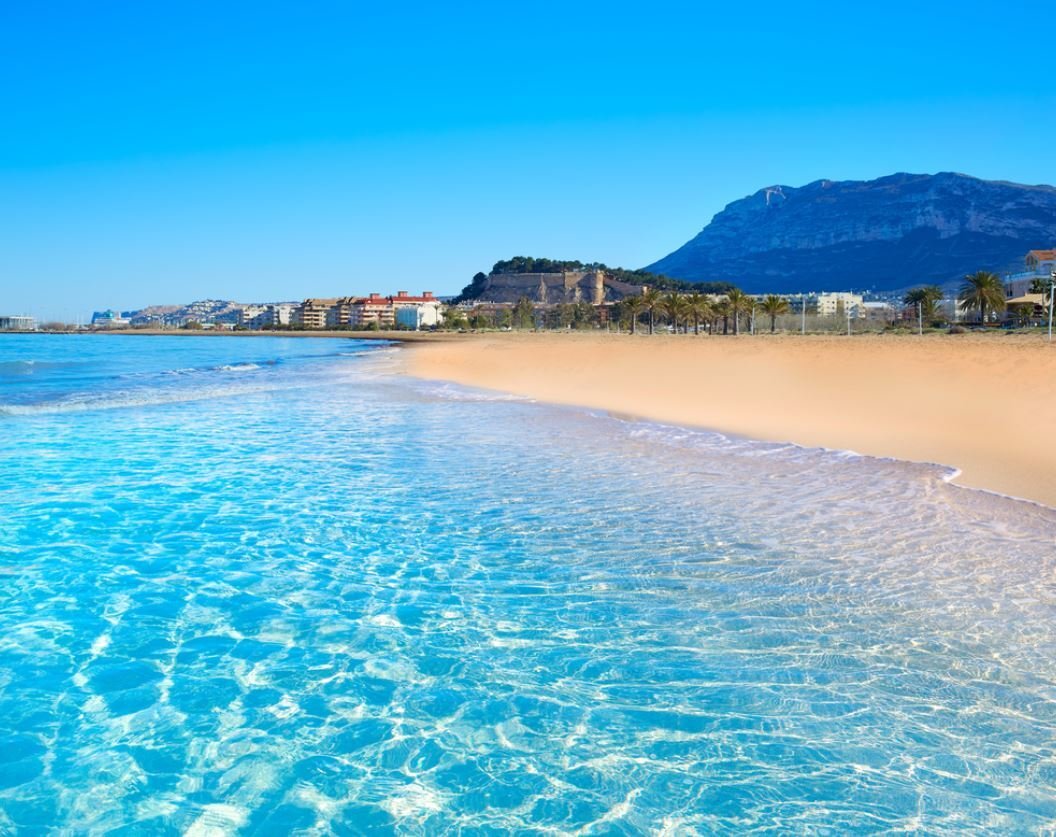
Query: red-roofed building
[[382, 309]]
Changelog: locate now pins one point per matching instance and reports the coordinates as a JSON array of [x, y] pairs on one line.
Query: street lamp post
[[1052, 296]]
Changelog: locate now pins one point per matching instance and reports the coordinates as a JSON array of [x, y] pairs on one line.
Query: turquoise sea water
[[267, 586]]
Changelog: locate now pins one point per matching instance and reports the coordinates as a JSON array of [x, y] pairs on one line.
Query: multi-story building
[[272, 315], [879, 312], [313, 313], [1041, 261], [1039, 264], [381, 310], [848, 304], [277, 315], [419, 316], [360, 312], [249, 316], [17, 323]]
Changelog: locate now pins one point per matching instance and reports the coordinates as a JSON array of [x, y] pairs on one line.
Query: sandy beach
[[984, 404]]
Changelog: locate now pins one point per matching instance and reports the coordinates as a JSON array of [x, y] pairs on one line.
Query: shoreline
[[396, 336], [981, 405]]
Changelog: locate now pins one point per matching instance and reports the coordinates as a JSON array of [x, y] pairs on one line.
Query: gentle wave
[[26, 367], [237, 367], [116, 401], [456, 392]]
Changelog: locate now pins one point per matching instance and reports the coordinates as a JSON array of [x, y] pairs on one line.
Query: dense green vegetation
[[529, 264]]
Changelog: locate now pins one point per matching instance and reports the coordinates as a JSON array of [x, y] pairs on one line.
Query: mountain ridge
[[885, 234]]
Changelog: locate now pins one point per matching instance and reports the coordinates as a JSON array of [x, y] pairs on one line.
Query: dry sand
[[983, 403]]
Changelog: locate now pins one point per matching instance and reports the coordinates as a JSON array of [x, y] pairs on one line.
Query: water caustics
[[267, 585]]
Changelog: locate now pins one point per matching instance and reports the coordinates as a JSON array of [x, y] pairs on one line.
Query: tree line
[[981, 294]]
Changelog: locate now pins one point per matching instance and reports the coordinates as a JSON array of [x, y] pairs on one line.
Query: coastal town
[[593, 299]]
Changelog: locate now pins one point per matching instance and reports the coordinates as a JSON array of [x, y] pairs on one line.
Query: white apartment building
[[265, 316], [247, 314], [417, 317], [830, 304]]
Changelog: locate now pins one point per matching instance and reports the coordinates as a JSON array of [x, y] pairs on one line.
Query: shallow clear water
[[266, 585]]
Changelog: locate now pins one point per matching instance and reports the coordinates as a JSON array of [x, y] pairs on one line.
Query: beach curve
[[977, 403]]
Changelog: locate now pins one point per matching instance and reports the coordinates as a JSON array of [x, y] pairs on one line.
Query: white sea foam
[[238, 367], [131, 399]]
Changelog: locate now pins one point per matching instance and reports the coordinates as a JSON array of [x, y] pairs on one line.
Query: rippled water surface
[[265, 585]]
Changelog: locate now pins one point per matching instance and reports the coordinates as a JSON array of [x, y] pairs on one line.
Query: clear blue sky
[[164, 152]]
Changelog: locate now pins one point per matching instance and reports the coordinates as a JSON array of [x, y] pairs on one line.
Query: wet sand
[[982, 403]]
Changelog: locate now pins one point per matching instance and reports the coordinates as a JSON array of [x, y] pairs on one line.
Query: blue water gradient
[[267, 585]]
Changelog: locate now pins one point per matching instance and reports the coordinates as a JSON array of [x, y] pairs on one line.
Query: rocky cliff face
[[884, 234]]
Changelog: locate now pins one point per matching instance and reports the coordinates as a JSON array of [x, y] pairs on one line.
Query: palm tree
[[739, 303], [983, 291], [634, 306], [672, 306], [1022, 312], [699, 308], [722, 312], [1042, 285], [774, 306], [926, 297], [652, 299]]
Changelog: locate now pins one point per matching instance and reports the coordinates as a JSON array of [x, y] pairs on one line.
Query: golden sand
[[983, 403]]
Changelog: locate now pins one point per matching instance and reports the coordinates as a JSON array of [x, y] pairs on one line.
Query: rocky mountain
[[884, 234]]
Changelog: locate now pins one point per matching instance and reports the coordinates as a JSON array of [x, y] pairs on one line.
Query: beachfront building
[[1028, 309], [417, 317], [314, 313], [277, 315], [1041, 261], [271, 315], [373, 311], [380, 311], [1039, 265], [249, 316], [17, 323], [843, 303]]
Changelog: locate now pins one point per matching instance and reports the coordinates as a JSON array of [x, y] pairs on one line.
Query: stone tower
[[599, 288]]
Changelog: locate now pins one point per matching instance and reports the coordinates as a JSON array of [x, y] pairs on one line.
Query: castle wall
[[594, 287]]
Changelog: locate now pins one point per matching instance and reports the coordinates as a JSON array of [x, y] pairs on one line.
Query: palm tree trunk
[[634, 322], [696, 324], [773, 323], [650, 320], [736, 324], [725, 324]]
